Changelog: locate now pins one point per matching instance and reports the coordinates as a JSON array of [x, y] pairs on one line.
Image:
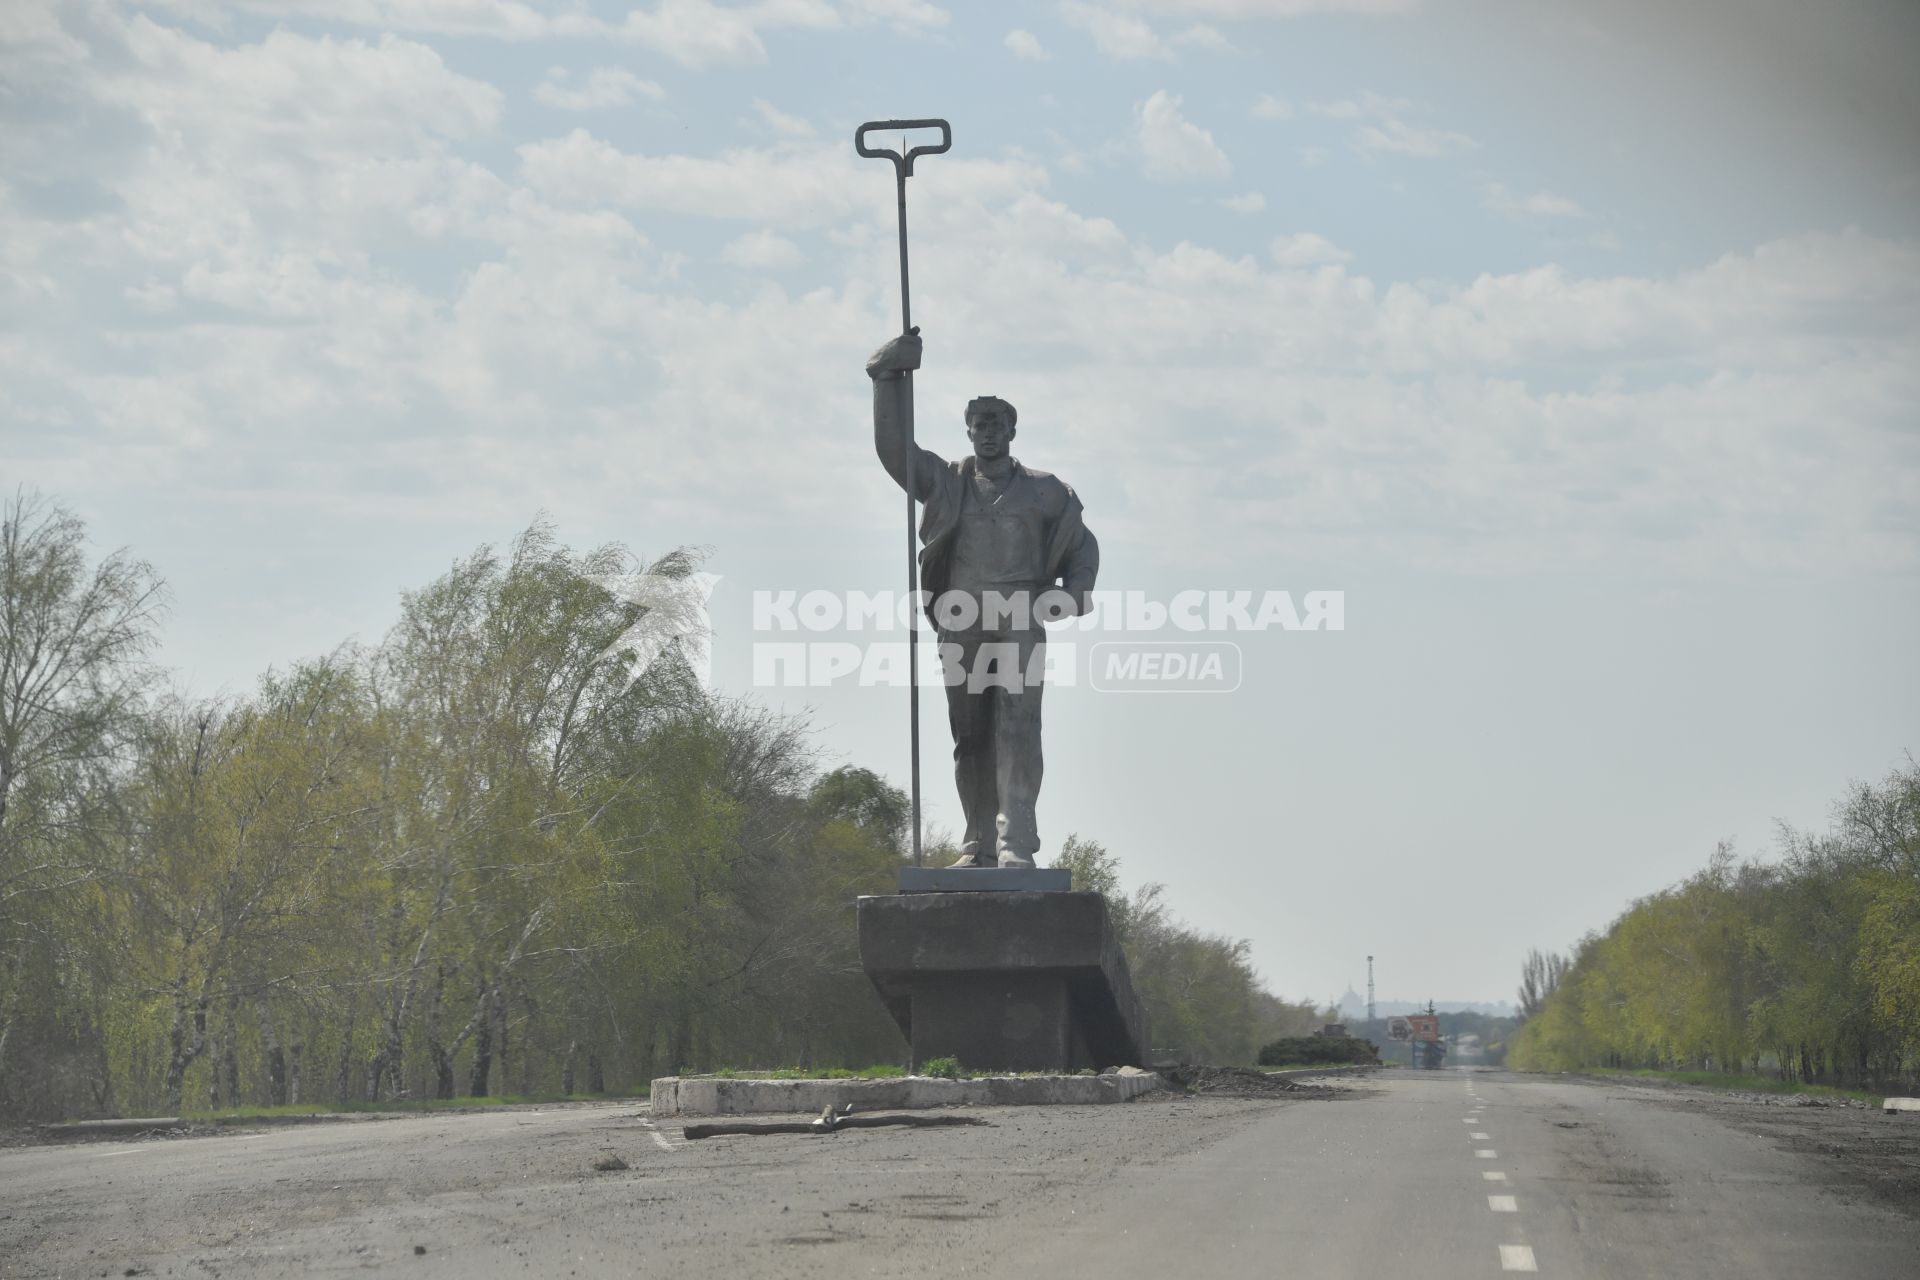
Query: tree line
[[476, 858], [1204, 1000], [1807, 967]]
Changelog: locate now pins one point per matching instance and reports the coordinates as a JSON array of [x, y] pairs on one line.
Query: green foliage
[[1204, 1001], [75, 637], [943, 1068], [1807, 968], [1310, 1051], [867, 801], [480, 859], [476, 860]]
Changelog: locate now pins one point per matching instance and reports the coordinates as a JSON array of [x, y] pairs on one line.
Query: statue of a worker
[[1002, 548]]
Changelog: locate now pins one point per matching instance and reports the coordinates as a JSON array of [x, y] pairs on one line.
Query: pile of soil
[[1236, 1082]]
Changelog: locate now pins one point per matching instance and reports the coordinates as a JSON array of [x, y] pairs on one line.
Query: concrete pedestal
[[984, 879], [1004, 981]]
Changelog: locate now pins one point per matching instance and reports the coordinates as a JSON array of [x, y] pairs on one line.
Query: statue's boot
[[971, 861], [1016, 861]]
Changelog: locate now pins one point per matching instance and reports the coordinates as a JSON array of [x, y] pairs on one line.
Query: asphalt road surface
[[1402, 1174]]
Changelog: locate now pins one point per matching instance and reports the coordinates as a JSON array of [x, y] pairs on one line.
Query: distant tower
[[1369, 988]]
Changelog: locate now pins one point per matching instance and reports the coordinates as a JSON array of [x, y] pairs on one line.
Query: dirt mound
[[1234, 1082]]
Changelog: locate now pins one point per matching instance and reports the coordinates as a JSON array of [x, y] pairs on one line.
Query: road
[[1435, 1175]]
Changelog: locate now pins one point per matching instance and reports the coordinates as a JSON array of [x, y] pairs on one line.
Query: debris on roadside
[[609, 1164], [1236, 1082], [827, 1123]]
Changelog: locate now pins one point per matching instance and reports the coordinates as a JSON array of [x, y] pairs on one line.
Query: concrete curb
[[710, 1096], [111, 1127], [1900, 1104]]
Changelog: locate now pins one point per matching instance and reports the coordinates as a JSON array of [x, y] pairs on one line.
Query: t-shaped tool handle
[[903, 165]]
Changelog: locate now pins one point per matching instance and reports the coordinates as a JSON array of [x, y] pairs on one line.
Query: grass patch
[[1734, 1080]]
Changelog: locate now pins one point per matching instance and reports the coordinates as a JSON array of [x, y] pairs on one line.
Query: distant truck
[[1427, 1049]]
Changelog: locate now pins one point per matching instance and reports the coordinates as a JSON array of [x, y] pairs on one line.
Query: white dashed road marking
[[1494, 1175], [1503, 1204], [1480, 1137], [660, 1139], [1517, 1257], [1485, 1153], [123, 1151]]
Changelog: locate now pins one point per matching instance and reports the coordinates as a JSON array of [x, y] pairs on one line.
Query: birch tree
[[75, 640]]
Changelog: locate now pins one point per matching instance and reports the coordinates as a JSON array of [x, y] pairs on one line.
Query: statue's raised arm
[[911, 467]]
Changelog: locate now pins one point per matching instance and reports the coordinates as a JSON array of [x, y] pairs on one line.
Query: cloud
[[1268, 107], [762, 251], [780, 122], [1172, 148], [1251, 202], [1304, 249], [1117, 35], [693, 33], [1604, 241], [804, 188], [902, 15], [1024, 44], [1380, 125], [372, 98], [1204, 38], [1541, 204], [1255, 10], [499, 19], [604, 87], [794, 184], [697, 33], [357, 312]]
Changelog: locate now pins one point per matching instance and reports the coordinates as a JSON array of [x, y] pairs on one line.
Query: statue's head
[[990, 426]]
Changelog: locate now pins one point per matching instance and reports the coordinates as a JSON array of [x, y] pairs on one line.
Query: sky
[[1574, 344]]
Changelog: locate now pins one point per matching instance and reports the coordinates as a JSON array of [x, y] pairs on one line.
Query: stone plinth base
[[1004, 981], [984, 879]]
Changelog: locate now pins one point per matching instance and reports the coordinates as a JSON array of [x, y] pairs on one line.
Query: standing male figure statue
[[995, 539]]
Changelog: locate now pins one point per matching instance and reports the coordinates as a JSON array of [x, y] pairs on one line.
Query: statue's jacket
[[1072, 555]]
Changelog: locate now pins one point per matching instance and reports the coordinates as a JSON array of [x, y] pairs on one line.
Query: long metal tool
[[902, 170]]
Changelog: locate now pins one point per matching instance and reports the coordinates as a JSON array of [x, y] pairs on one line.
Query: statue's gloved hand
[[898, 356]]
